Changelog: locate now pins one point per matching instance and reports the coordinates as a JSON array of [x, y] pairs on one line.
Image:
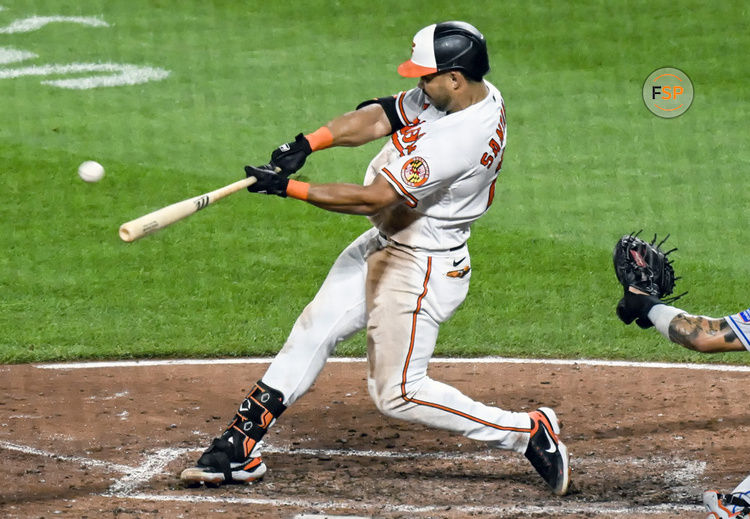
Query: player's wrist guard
[[635, 307]]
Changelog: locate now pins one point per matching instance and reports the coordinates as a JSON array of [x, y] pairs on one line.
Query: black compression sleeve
[[389, 106]]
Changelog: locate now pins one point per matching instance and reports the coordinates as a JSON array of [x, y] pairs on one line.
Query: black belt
[[386, 238]]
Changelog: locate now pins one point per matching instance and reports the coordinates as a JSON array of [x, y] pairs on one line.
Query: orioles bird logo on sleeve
[[415, 172]]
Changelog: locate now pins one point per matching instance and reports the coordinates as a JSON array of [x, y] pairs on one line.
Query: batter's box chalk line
[[675, 470], [79, 460], [154, 465], [510, 511]]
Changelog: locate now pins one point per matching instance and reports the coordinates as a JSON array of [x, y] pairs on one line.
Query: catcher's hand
[[645, 267]]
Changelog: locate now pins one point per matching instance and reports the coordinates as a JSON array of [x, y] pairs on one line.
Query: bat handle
[[275, 169]]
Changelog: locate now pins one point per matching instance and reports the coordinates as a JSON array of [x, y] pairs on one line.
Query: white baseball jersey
[[740, 324], [445, 167]]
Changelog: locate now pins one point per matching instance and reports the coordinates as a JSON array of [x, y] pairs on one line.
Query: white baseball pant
[[401, 295]]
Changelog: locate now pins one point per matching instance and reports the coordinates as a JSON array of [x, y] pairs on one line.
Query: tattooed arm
[[703, 334]]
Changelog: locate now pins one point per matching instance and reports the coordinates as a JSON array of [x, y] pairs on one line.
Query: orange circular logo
[[415, 172], [668, 92]]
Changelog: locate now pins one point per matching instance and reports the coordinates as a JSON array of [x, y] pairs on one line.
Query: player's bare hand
[[268, 182], [291, 156]]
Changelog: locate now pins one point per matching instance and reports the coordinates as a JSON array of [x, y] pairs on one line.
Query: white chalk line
[[10, 55], [121, 74], [495, 511], [680, 475], [331, 453], [87, 462], [438, 360], [676, 469], [156, 462], [118, 74], [35, 23]]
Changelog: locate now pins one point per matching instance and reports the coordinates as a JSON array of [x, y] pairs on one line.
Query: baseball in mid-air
[[91, 171]]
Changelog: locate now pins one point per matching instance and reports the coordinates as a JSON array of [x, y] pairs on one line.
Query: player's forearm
[[344, 198], [703, 334], [339, 197]]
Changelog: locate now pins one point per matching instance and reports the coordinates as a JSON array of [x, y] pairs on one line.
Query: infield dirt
[[110, 442]]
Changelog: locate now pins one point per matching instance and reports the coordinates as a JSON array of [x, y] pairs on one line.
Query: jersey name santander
[[444, 166], [740, 324]]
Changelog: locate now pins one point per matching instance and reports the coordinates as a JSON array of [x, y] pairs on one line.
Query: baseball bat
[[152, 222]]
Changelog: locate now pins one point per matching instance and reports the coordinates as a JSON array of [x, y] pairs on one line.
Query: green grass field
[[586, 162]]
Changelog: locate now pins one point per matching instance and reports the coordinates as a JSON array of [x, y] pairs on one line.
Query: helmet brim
[[410, 69]]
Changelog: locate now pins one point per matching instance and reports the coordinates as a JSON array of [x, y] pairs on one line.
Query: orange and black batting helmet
[[447, 46]]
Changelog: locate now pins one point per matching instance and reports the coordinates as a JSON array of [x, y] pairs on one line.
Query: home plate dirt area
[[110, 439]]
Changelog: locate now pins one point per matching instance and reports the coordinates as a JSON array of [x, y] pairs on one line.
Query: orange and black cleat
[[235, 455], [220, 464], [546, 452]]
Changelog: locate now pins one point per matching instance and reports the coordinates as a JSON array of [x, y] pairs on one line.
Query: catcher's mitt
[[644, 265]]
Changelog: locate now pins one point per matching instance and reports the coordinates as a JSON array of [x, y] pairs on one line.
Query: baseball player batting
[[706, 335], [434, 177]]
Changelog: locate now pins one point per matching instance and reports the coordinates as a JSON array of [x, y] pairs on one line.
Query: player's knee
[[387, 397]]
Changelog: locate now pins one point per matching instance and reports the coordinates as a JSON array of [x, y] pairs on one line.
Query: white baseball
[[91, 171]]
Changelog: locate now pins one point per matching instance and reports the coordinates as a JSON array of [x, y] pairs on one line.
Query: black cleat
[[219, 464], [546, 452]]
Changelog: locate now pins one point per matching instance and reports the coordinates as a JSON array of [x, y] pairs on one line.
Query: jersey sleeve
[[740, 324], [428, 168], [409, 105]]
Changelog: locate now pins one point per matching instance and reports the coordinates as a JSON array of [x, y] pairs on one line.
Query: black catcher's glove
[[290, 157], [268, 182], [643, 266]]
